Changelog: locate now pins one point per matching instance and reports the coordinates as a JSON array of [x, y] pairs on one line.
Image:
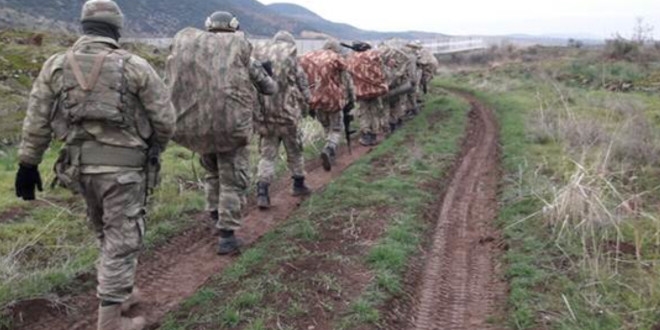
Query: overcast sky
[[600, 18]]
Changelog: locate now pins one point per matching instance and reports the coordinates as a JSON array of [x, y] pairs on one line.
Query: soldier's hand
[[312, 113], [27, 180], [268, 66]]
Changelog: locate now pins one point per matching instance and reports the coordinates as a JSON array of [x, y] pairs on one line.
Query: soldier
[[109, 107], [333, 122], [219, 84], [369, 73], [277, 122], [399, 69]]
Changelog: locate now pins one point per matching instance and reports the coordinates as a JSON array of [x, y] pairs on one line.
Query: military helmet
[[103, 11], [333, 45], [222, 21]]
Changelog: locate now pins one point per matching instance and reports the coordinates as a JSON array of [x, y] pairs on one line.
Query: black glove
[[27, 179], [268, 66], [312, 113]]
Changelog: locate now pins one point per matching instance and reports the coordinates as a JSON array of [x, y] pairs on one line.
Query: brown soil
[[458, 285], [12, 214], [178, 269]]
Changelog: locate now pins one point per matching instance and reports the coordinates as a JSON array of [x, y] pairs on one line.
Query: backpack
[[397, 62], [283, 104], [324, 71], [208, 76], [366, 68]]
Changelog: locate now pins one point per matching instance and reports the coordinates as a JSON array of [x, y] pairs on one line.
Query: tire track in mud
[[459, 287], [179, 268]]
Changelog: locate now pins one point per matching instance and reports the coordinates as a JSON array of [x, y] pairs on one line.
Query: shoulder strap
[[87, 85]]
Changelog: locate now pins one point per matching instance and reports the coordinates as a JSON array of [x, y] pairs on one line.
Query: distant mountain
[[346, 31], [163, 18]]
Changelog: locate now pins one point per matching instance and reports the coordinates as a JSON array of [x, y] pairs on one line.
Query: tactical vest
[[95, 90]]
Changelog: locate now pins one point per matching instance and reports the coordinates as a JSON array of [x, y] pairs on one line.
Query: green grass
[[559, 273], [281, 270]]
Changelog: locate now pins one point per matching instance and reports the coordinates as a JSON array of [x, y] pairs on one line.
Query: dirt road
[[459, 287], [178, 269]]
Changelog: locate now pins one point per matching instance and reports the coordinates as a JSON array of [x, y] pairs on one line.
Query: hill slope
[[154, 18], [319, 24]]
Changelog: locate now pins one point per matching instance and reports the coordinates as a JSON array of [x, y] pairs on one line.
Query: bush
[[622, 49]]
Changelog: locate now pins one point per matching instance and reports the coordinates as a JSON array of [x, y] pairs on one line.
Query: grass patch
[[579, 212]]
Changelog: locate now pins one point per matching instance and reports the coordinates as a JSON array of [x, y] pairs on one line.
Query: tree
[[643, 32]]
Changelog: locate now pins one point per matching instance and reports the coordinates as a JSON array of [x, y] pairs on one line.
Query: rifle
[[348, 118], [357, 46], [152, 170]]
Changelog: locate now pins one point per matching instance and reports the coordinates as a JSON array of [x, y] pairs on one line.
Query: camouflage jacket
[[287, 106], [148, 100]]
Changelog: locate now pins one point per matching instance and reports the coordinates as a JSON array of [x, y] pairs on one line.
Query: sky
[[599, 18]]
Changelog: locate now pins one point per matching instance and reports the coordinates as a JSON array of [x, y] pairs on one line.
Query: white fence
[[437, 46]]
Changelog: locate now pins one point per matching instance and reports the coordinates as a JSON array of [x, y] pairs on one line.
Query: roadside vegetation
[[580, 208]]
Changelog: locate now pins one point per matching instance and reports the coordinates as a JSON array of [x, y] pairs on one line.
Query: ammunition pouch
[[89, 153]]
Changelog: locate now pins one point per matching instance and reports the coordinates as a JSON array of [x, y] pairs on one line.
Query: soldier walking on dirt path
[[214, 83], [279, 116], [333, 94], [112, 111], [369, 72]]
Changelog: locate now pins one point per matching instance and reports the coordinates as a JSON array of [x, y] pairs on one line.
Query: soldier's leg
[[268, 150], [296, 160], [209, 163], [365, 117], [122, 198], [234, 179], [336, 129]]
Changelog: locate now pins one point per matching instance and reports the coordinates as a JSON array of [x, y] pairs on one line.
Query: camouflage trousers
[[333, 123], [116, 212], [371, 114], [394, 111], [269, 144], [226, 185]]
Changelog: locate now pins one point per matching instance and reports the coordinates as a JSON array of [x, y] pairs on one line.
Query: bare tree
[[643, 32]]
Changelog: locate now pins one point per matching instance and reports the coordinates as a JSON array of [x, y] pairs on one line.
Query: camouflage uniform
[[91, 161], [333, 122], [370, 113], [227, 178], [279, 115]]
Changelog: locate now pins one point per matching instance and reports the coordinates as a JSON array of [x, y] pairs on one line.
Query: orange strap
[[94, 75]]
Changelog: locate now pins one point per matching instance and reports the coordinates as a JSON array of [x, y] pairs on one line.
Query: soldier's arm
[[155, 98], [303, 83], [37, 131], [260, 78]]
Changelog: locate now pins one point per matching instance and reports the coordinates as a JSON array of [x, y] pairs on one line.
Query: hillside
[[318, 23], [158, 18]]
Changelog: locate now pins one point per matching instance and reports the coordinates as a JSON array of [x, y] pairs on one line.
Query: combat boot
[[299, 187], [229, 243], [134, 299], [393, 128], [328, 158], [263, 199], [365, 139], [110, 319], [373, 139]]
